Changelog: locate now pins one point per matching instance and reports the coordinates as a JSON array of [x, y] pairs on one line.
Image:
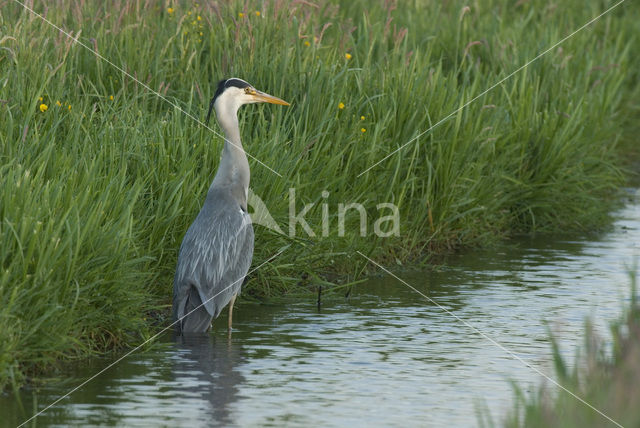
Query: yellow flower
[[43, 107], [40, 99], [199, 18], [257, 13], [69, 106], [306, 43], [58, 103], [170, 10], [240, 15], [347, 56], [201, 33], [363, 130], [111, 97], [361, 117], [341, 106]]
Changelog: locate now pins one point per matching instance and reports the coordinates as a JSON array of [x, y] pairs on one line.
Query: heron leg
[[233, 300]]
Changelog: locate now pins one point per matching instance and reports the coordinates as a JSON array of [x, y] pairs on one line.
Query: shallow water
[[385, 357]]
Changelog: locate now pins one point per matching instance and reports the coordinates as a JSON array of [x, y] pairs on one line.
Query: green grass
[[95, 199], [607, 379]]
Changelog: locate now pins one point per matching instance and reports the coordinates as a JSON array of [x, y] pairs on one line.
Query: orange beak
[[261, 97]]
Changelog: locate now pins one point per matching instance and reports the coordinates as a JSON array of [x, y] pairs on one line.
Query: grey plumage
[[215, 256], [217, 249]]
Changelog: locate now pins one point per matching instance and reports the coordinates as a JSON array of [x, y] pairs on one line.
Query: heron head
[[233, 93]]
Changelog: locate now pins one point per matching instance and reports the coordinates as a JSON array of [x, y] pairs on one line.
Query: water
[[385, 357]]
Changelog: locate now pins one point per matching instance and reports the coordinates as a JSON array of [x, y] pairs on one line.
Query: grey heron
[[217, 249]]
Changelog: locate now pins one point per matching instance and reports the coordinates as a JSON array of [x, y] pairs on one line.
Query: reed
[[606, 376], [98, 191]]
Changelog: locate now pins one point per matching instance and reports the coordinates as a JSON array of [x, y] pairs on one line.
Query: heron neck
[[233, 172]]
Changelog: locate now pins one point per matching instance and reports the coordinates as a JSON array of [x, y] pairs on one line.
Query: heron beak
[[261, 97]]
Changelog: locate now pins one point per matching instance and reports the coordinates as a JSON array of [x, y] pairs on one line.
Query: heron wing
[[215, 255]]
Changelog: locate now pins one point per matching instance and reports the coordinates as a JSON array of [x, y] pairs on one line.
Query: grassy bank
[[100, 178], [608, 379]]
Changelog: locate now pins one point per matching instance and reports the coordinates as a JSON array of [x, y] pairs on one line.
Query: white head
[[233, 93]]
